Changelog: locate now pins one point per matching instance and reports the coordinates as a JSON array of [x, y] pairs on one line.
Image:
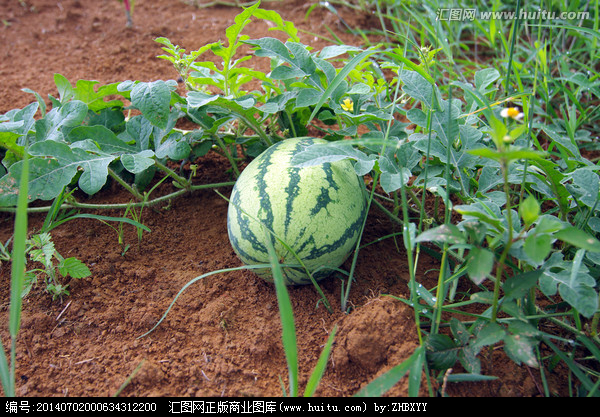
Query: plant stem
[[355, 255], [409, 257], [440, 292], [124, 206], [128, 187], [414, 198], [228, 155], [182, 181], [512, 46], [392, 216], [249, 120], [504, 255]]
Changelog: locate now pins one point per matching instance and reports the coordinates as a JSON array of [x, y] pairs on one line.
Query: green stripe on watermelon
[[317, 211]]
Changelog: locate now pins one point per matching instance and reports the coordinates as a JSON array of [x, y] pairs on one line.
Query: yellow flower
[[348, 105], [512, 112]]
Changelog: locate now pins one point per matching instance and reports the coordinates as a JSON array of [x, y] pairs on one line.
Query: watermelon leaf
[[321, 153], [416, 86], [153, 100], [572, 281], [61, 118], [85, 91]]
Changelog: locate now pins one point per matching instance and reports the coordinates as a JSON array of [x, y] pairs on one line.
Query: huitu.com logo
[[462, 14]]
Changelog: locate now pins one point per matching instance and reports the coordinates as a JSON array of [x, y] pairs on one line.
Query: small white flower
[[512, 112]]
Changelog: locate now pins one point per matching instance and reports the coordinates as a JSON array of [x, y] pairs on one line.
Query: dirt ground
[[223, 336]]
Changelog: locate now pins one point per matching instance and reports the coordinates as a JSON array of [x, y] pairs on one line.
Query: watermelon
[[317, 211]]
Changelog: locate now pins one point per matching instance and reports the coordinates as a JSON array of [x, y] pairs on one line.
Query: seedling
[[55, 268]]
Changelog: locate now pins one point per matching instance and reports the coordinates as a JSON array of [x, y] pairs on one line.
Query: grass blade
[[385, 382], [414, 377], [132, 222], [585, 381], [288, 328], [17, 277], [4, 372], [319, 370], [198, 278], [470, 378]]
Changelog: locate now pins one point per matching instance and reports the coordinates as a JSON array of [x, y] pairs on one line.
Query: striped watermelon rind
[[318, 211]]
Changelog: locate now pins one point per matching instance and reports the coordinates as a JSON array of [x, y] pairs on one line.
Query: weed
[[40, 248]]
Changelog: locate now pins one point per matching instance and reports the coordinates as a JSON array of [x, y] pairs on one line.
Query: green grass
[[7, 365], [549, 69]]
